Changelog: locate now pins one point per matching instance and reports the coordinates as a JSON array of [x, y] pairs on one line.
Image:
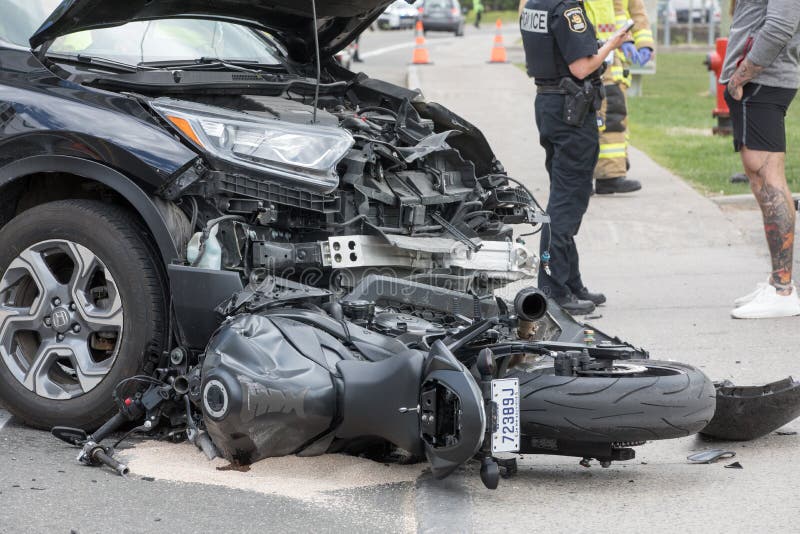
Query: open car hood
[[289, 21]]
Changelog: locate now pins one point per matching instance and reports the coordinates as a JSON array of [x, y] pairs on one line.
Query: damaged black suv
[[129, 127], [205, 219]]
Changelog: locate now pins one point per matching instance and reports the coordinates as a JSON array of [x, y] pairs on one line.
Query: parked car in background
[[443, 16], [399, 15], [678, 11]]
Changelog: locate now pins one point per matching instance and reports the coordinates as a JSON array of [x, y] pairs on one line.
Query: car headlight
[[306, 153]]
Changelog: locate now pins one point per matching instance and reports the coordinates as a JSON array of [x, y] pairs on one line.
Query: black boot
[[575, 306], [585, 294], [609, 186]]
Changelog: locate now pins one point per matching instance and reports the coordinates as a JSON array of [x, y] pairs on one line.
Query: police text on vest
[[533, 20]]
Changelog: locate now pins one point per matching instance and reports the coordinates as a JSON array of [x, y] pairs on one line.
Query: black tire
[[116, 238], [668, 400]]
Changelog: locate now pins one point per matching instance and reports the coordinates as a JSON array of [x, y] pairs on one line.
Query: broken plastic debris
[[749, 412], [710, 456], [734, 465]]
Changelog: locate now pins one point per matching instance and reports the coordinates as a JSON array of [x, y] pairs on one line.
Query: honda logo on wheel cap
[[60, 319]]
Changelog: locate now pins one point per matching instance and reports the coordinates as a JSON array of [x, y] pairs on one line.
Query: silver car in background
[[443, 16]]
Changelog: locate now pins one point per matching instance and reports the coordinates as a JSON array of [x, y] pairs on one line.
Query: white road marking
[[386, 49], [5, 417], [409, 44]]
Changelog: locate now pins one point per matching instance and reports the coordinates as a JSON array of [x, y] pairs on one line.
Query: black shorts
[[758, 118]]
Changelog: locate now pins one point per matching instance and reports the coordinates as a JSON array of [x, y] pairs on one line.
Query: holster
[[580, 100]]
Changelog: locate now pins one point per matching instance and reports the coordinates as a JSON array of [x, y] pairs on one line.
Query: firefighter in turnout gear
[[608, 16], [562, 56]]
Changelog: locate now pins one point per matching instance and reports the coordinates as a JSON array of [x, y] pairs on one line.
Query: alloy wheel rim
[[61, 319]]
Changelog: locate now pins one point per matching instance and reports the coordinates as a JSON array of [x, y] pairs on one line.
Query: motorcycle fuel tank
[[268, 387]]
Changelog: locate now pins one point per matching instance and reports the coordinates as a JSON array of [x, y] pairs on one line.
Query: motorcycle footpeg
[[508, 465]]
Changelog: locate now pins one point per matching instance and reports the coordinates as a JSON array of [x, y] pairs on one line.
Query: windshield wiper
[[208, 62], [94, 60]]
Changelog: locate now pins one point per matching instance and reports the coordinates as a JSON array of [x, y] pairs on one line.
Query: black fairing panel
[[278, 377], [442, 369], [381, 399], [749, 412]]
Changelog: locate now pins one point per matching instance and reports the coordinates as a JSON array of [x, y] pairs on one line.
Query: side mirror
[[73, 436]]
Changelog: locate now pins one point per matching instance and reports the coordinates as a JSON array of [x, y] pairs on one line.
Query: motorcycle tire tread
[[616, 409]]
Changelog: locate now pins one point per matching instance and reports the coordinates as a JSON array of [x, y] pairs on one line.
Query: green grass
[[490, 17], [670, 121]]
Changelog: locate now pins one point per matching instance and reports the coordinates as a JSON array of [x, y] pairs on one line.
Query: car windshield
[[19, 19], [170, 40]]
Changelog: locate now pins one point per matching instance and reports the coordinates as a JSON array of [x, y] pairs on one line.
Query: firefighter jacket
[[608, 16]]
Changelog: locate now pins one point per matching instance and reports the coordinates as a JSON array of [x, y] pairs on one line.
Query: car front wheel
[[82, 307]]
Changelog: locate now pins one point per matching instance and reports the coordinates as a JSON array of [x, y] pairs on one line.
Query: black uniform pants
[[572, 153]]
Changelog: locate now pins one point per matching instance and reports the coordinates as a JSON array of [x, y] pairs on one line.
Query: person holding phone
[[562, 56]]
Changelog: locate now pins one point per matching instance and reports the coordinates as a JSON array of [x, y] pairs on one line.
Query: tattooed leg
[[768, 182]]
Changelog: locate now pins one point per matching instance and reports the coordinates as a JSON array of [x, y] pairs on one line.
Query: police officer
[[562, 56]]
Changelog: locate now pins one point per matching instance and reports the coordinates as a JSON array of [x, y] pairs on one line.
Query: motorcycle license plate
[[505, 395]]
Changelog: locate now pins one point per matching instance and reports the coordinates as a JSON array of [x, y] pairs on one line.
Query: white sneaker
[[769, 304], [741, 301]]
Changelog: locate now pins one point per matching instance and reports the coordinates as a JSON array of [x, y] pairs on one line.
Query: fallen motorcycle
[[295, 370]]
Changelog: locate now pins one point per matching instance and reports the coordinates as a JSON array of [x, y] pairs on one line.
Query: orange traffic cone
[[421, 56], [499, 50]]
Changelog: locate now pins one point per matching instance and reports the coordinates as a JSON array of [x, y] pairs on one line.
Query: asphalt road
[[670, 262]]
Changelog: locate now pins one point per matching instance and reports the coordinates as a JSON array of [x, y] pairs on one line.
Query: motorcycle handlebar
[[100, 456], [109, 427]]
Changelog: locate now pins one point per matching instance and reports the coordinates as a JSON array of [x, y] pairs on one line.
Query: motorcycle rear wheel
[[665, 400]]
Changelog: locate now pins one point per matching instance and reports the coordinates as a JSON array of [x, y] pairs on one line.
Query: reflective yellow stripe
[[621, 21], [617, 73], [613, 151], [613, 146], [643, 39]]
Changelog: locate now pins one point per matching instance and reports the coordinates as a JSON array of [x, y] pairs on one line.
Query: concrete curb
[[741, 201], [412, 78]]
